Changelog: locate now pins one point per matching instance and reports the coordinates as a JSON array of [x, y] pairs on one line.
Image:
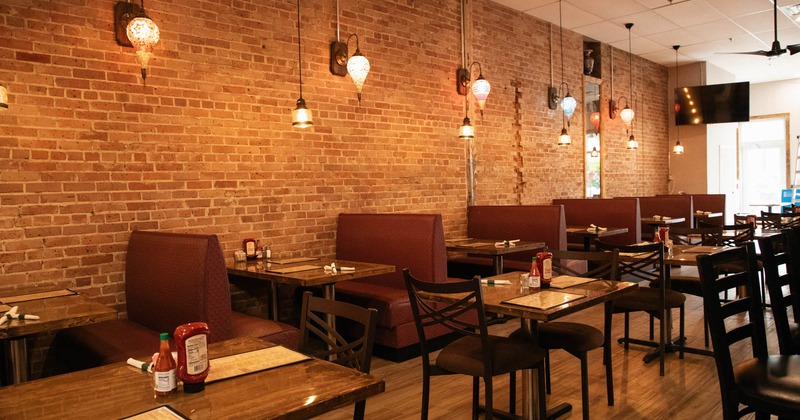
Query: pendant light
[[3, 99], [627, 113], [678, 149], [568, 103], [301, 116]]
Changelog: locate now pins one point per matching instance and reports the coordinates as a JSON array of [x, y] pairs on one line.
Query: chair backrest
[[353, 352], [744, 310], [710, 236], [465, 316], [646, 262], [782, 292], [176, 278], [738, 234], [770, 220], [595, 264]]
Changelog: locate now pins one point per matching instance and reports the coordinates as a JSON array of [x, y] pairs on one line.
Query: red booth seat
[[607, 212], [170, 279]]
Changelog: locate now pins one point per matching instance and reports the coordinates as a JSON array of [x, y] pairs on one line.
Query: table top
[[583, 231], [317, 276], [494, 295], [55, 313], [707, 215], [681, 254], [300, 390], [662, 222], [488, 247]]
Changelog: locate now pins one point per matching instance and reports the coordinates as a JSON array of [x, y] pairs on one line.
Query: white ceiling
[[703, 28]]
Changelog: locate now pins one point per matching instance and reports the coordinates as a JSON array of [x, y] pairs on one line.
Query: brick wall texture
[[88, 153]]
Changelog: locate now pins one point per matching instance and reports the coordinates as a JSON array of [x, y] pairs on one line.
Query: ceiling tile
[[763, 21], [678, 36], [639, 46], [604, 31], [647, 23], [609, 9], [524, 5], [690, 13], [571, 15], [714, 31], [736, 8]]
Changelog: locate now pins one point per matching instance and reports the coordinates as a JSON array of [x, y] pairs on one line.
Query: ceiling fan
[[776, 45]]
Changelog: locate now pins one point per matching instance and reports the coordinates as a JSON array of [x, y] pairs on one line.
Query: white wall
[[778, 98]]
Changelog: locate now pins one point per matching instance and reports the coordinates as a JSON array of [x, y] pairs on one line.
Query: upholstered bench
[[413, 241], [170, 279], [607, 212]]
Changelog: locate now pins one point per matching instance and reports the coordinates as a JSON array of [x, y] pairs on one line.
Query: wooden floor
[[688, 390]]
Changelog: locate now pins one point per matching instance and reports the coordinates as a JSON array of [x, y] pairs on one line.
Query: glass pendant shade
[[632, 143], [564, 139], [144, 35], [568, 105], [595, 119], [3, 99], [466, 131], [301, 116], [626, 116], [481, 89], [678, 149], [358, 68], [594, 153]]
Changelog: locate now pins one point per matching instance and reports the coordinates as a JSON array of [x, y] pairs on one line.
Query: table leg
[[530, 384], [274, 288], [497, 261], [587, 243], [17, 360], [329, 292]]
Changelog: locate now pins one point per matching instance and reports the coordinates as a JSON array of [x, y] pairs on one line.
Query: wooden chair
[[783, 251], [476, 353], [764, 384], [780, 220], [576, 338], [706, 236], [355, 353], [656, 300]]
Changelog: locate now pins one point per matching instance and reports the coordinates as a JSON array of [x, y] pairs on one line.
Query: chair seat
[[649, 299], [775, 382], [569, 336], [465, 356], [794, 333]]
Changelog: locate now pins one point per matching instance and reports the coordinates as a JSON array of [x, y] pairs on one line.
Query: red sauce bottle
[[164, 369], [191, 341], [545, 262]]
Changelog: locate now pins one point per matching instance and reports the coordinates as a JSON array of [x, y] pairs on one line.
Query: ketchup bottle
[[164, 369], [191, 341], [545, 262]]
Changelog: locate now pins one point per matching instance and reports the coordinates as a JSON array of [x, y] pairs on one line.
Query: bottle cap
[[164, 336]]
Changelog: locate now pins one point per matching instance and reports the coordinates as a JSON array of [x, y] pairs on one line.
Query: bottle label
[[547, 269], [196, 354], [165, 381], [534, 282]]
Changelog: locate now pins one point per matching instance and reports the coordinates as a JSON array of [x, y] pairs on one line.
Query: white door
[[762, 151]]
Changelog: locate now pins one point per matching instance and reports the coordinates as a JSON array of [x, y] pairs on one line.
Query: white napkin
[[698, 211], [490, 281], [8, 315], [506, 243], [666, 218], [333, 269], [593, 228]]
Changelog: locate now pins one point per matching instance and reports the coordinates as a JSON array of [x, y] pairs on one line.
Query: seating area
[[616, 212], [170, 279]]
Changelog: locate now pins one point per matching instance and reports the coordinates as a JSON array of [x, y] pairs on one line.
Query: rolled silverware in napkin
[[506, 243], [491, 281], [8, 315]]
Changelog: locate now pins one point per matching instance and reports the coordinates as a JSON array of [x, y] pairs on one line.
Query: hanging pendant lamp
[[3, 99], [678, 148], [301, 116], [627, 113], [568, 103]]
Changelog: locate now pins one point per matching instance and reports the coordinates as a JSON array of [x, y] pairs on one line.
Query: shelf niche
[[594, 47]]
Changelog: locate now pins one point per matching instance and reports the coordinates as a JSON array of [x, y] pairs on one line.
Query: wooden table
[[488, 247], [769, 206], [595, 292], [301, 390], [705, 216], [585, 235], [259, 270], [55, 313]]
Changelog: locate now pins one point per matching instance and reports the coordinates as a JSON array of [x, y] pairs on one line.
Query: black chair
[[764, 384], [776, 221], [781, 254], [355, 353], [576, 338], [646, 263], [476, 353]]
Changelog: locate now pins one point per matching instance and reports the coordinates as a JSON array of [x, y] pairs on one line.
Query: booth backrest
[[714, 203], [529, 223], [605, 212], [191, 285], [413, 241], [668, 205]]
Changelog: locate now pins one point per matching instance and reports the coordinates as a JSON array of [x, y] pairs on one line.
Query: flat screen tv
[[712, 104]]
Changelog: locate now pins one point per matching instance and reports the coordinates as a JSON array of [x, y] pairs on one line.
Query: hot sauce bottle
[[191, 341], [164, 369], [535, 276]]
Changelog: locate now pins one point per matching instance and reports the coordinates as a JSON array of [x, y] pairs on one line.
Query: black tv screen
[[711, 104]]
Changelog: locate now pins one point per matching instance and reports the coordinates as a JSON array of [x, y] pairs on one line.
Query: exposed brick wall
[[89, 154]]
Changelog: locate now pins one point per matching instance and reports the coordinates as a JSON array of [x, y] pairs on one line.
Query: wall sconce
[[3, 99], [357, 65], [301, 116], [133, 28], [480, 88]]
